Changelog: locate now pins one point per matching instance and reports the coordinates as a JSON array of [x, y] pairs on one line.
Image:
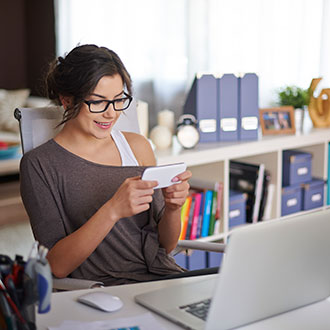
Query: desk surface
[[65, 307]]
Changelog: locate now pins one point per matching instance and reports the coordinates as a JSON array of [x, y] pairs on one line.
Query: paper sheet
[[140, 322]]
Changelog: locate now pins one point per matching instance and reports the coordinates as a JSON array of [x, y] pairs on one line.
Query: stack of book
[[252, 179], [201, 211]]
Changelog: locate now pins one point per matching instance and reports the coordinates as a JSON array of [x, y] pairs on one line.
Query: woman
[[83, 190]]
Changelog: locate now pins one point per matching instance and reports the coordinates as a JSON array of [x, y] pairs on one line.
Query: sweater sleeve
[[41, 202]]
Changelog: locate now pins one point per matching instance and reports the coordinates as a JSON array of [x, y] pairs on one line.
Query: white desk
[[65, 307]]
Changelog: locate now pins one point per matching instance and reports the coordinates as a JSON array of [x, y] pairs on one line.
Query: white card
[[163, 174]]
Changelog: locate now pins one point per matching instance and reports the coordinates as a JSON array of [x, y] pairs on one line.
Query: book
[[190, 216], [213, 213], [200, 216], [269, 203], [248, 178], [264, 195], [219, 190], [258, 193], [194, 223], [184, 217], [202, 185], [207, 213]]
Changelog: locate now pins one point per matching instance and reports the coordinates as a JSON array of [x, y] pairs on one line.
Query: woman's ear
[[66, 101]]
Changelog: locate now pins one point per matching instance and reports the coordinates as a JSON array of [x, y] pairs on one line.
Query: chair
[[38, 125]]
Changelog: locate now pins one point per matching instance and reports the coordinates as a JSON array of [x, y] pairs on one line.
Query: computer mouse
[[101, 300]]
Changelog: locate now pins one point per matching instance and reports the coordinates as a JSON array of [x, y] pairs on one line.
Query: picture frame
[[278, 120]]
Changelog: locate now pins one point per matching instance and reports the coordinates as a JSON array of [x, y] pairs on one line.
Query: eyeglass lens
[[118, 105]]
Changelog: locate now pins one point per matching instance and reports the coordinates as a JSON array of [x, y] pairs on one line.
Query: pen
[[9, 318], [11, 288], [11, 303]]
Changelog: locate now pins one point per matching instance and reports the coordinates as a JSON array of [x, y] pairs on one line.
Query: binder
[[228, 107], [248, 107], [202, 103]]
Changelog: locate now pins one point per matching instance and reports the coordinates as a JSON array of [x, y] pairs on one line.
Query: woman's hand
[[176, 194], [132, 197], [170, 225]]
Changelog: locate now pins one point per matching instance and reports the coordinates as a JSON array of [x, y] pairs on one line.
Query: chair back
[[38, 125]]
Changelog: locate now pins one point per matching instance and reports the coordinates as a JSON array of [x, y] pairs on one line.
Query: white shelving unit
[[211, 162]]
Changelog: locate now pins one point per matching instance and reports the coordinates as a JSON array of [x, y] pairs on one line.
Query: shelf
[[205, 153], [210, 161]]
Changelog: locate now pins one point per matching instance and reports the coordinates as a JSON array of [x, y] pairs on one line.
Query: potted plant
[[296, 97], [293, 95]]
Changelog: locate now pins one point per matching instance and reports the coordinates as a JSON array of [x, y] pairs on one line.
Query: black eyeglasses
[[98, 106]]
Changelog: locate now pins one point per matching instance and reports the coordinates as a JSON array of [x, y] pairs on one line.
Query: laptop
[[269, 268]]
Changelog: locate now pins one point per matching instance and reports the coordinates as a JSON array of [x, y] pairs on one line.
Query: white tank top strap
[[126, 153]]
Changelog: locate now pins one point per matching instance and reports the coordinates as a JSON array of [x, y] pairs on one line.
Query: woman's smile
[[103, 125]]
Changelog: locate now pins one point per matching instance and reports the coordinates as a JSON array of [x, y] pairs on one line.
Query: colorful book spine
[[213, 212], [190, 217], [184, 217], [194, 224], [207, 212], [200, 217], [258, 193], [219, 190]]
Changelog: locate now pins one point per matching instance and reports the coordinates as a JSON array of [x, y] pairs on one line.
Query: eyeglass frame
[[89, 102]]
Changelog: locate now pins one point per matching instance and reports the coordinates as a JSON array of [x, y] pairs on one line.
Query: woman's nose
[[110, 112]]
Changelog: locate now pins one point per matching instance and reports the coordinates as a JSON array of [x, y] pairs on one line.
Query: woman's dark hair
[[77, 74]]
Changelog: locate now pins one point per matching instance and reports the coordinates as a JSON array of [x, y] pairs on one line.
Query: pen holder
[[24, 319], [24, 286], [29, 314]]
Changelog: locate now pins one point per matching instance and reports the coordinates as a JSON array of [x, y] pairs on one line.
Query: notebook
[[269, 268]]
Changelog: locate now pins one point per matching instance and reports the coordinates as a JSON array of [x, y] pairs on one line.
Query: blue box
[[237, 208], [181, 259], [197, 260], [297, 167], [312, 194], [291, 199], [214, 259]]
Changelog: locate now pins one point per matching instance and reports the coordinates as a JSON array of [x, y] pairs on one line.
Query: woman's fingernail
[[175, 179]]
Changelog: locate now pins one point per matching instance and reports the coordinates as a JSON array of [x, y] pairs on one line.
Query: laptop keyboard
[[199, 309]]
